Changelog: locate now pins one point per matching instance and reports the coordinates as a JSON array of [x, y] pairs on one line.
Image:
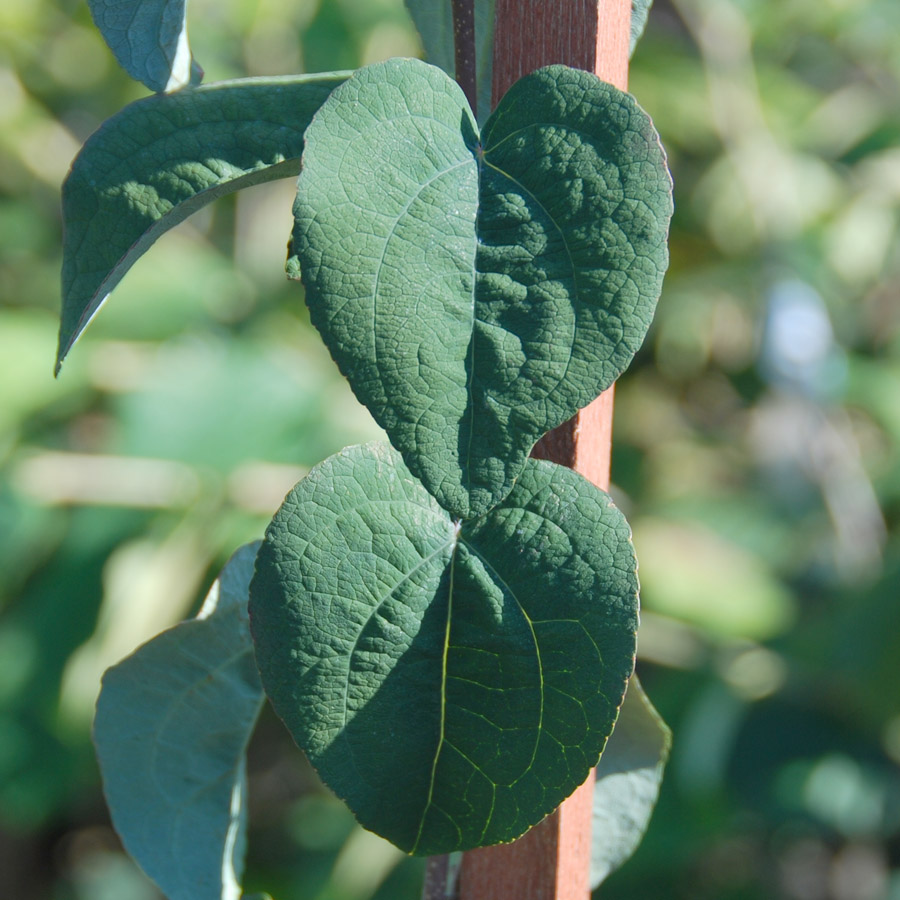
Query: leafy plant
[[444, 613]]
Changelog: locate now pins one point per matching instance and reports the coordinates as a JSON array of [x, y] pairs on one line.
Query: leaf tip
[[197, 73], [61, 354]]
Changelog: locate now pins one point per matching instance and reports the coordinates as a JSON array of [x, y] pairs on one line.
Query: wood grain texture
[[552, 861]]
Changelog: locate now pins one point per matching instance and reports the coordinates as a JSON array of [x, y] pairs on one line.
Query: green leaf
[[478, 293], [628, 778], [640, 11], [453, 682], [149, 40], [434, 21], [171, 731], [162, 158]]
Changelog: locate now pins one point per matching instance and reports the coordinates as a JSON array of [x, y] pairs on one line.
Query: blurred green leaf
[[161, 159], [149, 39], [220, 403], [42, 761], [172, 725], [627, 782], [27, 387], [696, 575]]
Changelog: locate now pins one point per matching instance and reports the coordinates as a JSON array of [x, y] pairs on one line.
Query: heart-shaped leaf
[[627, 785], [453, 682], [477, 293], [172, 725], [162, 158], [149, 40]]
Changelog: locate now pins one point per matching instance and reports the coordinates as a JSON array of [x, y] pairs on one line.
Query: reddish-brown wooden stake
[[551, 862]]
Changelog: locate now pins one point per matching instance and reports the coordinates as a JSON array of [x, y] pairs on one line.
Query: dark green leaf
[[171, 730], [161, 159], [628, 778], [453, 682], [149, 39], [477, 294], [434, 20]]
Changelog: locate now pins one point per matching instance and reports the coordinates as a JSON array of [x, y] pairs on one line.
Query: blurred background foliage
[[756, 450]]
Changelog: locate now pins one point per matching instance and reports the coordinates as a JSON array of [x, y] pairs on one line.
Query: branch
[[464, 43]]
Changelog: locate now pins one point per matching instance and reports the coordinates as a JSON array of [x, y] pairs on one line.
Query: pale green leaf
[[434, 21], [452, 682], [171, 730], [161, 159], [640, 11], [628, 778], [149, 39], [477, 293]]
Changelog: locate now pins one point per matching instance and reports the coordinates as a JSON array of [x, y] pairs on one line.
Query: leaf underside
[[453, 683], [640, 12], [171, 730], [148, 38], [627, 784], [161, 159], [477, 293]]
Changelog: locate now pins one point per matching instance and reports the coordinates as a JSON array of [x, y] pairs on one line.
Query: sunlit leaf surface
[[477, 292], [452, 682]]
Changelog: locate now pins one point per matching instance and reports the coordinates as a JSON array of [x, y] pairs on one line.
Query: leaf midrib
[[537, 649], [498, 579], [176, 700], [421, 564], [380, 266], [443, 719]]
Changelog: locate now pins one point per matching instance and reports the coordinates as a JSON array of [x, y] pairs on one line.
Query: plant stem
[[464, 45]]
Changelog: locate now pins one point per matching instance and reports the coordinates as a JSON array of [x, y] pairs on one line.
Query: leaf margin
[[344, 778], [163, 32], [635, 769]]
